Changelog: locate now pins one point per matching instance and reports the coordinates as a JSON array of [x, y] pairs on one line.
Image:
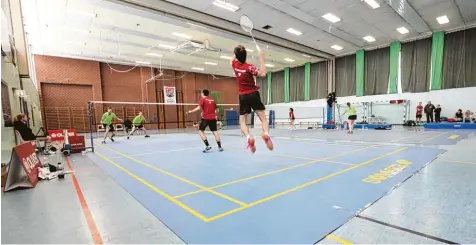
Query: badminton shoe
[[268, 142], [147, 136], [251, 144], [220, 149], [103, 142], [208, 148]]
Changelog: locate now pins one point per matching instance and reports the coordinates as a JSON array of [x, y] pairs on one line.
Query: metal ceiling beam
[[410, 15], [467, 9], [309, 19], [189, 15]]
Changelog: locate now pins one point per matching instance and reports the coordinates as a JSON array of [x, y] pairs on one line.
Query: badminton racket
[[247, 26]]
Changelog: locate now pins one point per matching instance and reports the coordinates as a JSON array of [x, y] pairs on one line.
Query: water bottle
[[60, 170]]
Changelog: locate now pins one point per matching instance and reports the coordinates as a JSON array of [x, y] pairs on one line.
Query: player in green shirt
[[352, 113], [137, 124], [106, 121]]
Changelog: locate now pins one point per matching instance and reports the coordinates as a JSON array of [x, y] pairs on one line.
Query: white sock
[[266, 133], [248, 137]]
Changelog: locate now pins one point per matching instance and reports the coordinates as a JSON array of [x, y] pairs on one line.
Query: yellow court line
[[301, 186], [231, 199], [158, 152], [454, 161], [338, 239], [453, 136], [272, 172], [162, 193], [433, 137]]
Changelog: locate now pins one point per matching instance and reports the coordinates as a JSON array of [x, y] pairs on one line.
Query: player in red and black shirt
[[419, 112], [249, 96], [291, 119], [208, 107]]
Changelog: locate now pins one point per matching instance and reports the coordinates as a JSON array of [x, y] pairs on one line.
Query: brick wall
[[107, 85]]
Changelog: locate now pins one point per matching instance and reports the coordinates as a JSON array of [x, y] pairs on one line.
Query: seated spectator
[[459, 115], [467, 116], [25, 132]]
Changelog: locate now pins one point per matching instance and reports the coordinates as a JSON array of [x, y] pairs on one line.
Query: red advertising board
[[23, 167], [77, 143], [57, 135]]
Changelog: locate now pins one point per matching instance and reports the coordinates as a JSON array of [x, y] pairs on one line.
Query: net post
[[90, 115]]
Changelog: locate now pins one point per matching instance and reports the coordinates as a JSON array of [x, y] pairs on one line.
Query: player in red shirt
[[291, 119], [208, 107], [419, 113], [249, 96]]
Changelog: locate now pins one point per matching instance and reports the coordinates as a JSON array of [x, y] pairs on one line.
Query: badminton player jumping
[[209, 119], [249, 96]]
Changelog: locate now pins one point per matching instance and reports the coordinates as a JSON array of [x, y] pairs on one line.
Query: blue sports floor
[[310, 185]]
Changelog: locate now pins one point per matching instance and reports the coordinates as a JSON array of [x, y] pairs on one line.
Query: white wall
[[450, 100]]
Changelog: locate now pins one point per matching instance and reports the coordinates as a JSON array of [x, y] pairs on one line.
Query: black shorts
[[353, 117], [111, 127], [212, 124], [249, 102], [139, 126], [418, 116]]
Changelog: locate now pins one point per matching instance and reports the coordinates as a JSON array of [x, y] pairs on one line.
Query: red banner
[[57, 135], [23, 163], [77, 143]]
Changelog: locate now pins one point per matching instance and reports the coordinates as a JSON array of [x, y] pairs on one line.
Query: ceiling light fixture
[[369, 39], [372, 3], [294, 31], [224, 5], [289, 60], [269, 65], [143, 62], [153, 54], [330, 17], [198, 68], [336, 47], [402, 30], [443, 19], [182, 35], [211, 63], [307, 56], [166, 46], [225, 57], [250, 50]]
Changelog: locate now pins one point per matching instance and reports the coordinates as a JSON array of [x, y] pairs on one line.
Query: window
[[7, 109]]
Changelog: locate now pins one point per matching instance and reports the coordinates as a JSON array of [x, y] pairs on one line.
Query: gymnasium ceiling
[[127, 31]]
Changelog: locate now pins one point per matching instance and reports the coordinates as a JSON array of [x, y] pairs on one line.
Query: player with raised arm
[[137, 124], [249, 96], [208, 107], [106, 121]]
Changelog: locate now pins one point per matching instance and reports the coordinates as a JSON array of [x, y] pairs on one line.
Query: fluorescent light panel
[[330, 17], [269, 65], [166, 46], [402, 30], [224, 5], [211, 63], [372, 3], [289, 60], [307, 56], [443, 19], [153, 54], [182, 35], [369, 39], [225, 57], [294, 31], [336, 47], [250, 50], [198, 68], [143, 62]]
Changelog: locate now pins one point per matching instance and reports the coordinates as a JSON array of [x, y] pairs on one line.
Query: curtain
[[377, 71], [277, 87], [459, 59], [262, 82], [319, 80], [416, 66], [296, 84], [345, 76]]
